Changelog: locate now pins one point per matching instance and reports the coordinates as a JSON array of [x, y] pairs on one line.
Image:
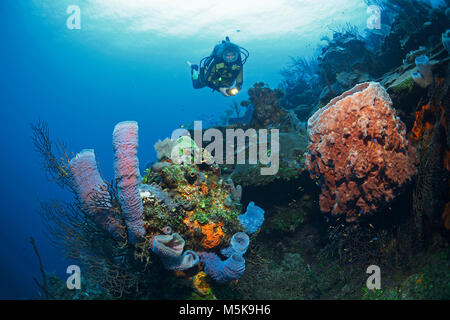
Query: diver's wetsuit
[[218, 74]]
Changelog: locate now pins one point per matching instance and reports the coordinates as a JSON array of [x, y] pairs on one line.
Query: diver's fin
[[189, 63]]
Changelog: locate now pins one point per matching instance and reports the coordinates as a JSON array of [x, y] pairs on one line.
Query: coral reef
[[414, 24], [292, 148], [178, 205], [345, 52], [203, 214], [180, 231], [431, 139], [266, 106], [359, 152]]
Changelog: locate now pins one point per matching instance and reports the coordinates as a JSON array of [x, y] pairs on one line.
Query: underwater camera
[[232, 91]]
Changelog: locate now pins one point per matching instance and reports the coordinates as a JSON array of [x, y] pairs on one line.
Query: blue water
[[128, 62]]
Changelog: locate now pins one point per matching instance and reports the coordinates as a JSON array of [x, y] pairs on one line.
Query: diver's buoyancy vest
[[221, 74]]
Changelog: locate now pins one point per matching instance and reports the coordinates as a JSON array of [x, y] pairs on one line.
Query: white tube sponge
[[126, 168]]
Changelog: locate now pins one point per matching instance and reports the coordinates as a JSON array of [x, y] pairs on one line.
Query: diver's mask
[[230, 56]]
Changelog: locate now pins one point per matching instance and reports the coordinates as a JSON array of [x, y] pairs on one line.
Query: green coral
[[285, 221], [404, 86]]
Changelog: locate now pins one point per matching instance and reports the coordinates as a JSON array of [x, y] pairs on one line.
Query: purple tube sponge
[[88, 185], [186, 261], [253, 218], [223, 271], [424, 76], [126, 168], [86, 177], [239, 245], [169, 247]]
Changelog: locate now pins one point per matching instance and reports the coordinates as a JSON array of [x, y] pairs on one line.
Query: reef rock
[[358, 152], [267, 109], [346, 52]]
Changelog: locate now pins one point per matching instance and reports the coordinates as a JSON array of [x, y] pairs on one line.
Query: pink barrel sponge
[[126, 168], [91, 188], [358, 152]]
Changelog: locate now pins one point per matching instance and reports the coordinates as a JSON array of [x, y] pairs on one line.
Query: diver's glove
[[194, 71], [224, 91]]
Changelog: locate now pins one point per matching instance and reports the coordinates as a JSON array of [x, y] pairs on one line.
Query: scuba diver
[[221, 70]]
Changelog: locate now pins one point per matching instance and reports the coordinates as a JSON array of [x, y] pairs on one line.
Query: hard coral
[[266, 104], [358, 152]]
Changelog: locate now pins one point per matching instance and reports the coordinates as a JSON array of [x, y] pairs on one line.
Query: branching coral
[[55, 160], [78, 236]]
